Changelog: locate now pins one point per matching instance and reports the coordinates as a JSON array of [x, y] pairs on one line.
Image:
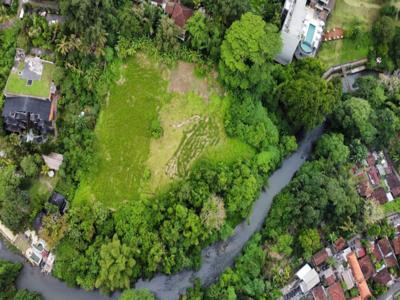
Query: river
[[215, 258]]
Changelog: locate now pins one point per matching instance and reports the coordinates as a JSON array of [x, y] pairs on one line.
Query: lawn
[[393, 206], [39, 88], [345, 14], [130, 162]]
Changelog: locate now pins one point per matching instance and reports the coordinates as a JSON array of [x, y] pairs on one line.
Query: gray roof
[[27, 104], [291, 30]]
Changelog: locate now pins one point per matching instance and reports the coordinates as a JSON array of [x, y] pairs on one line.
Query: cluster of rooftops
[[346, 265], [377, 177]]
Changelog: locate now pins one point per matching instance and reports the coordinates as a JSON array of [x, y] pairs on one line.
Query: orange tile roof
[[365, 293], [335, 292]]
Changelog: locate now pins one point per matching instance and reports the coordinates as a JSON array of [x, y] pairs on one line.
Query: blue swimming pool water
[[306, 45]]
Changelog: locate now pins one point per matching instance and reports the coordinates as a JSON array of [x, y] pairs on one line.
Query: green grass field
[[130, 163], [347, 12], [39, 88]]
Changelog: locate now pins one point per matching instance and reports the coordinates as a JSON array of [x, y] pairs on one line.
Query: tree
[[198, 31], [29, 166], [249, 46], [383, 30], [353, 116], [224, 11], [358, 151], [117, 267], [213, 213], [310, 241], [8, 275], [312, 96], [373, 212], [137, 294], [331, 147], [27, 295], [167, 35]]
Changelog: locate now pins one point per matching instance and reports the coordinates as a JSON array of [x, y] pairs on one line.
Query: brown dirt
[[183, 80]]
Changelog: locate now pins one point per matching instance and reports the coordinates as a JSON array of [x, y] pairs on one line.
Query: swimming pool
[[306, 45]]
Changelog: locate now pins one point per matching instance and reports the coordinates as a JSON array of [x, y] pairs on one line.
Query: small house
[[59, 201]]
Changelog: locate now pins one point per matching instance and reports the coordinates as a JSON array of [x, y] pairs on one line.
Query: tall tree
[[250, 45]]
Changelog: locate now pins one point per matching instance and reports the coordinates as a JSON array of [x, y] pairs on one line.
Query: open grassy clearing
[[124, 136], [130, 163], [345, 14]]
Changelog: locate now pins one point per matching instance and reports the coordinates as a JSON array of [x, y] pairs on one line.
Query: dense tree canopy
[[249, 46]]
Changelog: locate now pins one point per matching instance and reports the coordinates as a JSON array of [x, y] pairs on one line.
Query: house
[[363, 288], [340, 244], [396, 245], [53, 160], [379, 195], [374, 176], [319, 293], [29, 108], [178, 12], [383, 277], [303, 25], [335, 292], [28, 115], [321, 256], [309, 278], [391, 261], [367, 267], [59, 201], [394, 184], [385, 247]]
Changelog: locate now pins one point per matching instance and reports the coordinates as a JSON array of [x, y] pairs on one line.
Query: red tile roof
[[330, 280], [394, 184], [179, 13], [340, 244], [374, 175], [396, 245], [365, 293], [384, 245], [367, 267], [377, 253], [383, 277], [371, 160], [380, 195], [335, 291], [319, 293], [391, 261], [320, 257]]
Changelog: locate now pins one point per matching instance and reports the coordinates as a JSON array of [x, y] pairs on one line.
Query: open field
[[130, 162], [345, 14], [39, 88]]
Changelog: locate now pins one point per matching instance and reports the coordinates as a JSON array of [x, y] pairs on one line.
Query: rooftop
[[367, 267], [384, 246], [320, 257], [380, 195], [359, 276], [178, 12], [30, 77], [335, 291], [383, 277]]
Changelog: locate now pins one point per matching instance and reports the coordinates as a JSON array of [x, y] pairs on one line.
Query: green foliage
[[332, 148], [156, 129], [166, 37], [246, 52], [358, 151], [30, 165], [248, 120], [137, 294], [117, 266], [310, 242], [27, 295]]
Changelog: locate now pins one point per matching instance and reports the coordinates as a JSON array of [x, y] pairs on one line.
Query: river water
[[215, 258]]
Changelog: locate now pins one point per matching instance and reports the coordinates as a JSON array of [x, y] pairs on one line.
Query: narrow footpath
[[215, 259]]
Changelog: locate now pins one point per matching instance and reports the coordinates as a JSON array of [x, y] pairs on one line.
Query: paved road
[[215, 259]]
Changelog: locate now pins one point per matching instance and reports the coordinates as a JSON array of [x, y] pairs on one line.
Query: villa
[[303, 26], [30, 98]]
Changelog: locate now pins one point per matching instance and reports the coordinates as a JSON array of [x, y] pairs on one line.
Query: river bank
[[215, 258]]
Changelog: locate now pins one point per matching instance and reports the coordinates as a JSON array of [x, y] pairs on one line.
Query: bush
[[156, 130]]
